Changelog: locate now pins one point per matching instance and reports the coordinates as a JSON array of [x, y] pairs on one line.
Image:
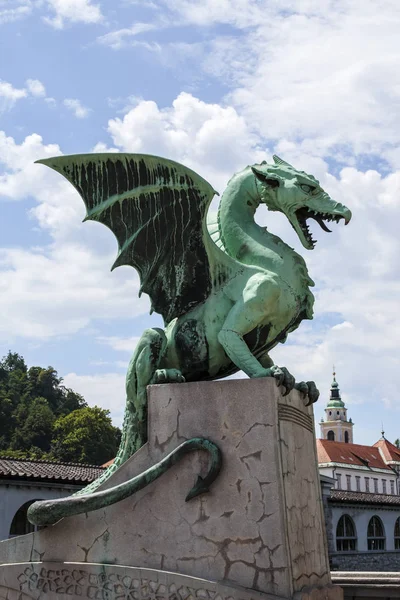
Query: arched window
[[346, 437], [20, 524], [346, 536], [331, 435], [376, 534], [397, 534]]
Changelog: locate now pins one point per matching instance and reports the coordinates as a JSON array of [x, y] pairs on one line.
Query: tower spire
[[335, 399]]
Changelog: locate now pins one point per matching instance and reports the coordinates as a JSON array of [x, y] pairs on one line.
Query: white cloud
[[123, 37], [68, 281], [327, 76], [22, 177], [51, 102], [9, 95], [212, 139], [323, 78], [36, 88], [8, 15], [102, 147], [343, 325], [120, 344], [75, 106], [74, 11], [68, 286], [105, 389]]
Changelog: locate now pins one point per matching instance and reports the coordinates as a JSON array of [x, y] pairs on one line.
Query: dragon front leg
[[258, 305]]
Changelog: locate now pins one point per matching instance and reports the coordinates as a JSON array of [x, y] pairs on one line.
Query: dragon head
[[299, 196]]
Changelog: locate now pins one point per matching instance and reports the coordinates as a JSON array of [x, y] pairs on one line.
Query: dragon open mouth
[[303, 214]]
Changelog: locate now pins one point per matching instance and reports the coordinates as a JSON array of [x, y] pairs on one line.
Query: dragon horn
[[280, 161]]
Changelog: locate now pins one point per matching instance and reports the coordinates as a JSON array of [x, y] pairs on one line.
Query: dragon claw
[[313, 393], [276, 373], [282, 378], [309, 391], [168, 376], [288, 381], [302, 387]]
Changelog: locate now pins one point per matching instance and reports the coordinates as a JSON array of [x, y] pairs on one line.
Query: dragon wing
[[157, 210]]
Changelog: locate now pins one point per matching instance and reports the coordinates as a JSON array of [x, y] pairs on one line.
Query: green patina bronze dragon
[[229, 290]]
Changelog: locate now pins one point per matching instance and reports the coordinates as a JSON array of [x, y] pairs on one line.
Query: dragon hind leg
[[142, 370]]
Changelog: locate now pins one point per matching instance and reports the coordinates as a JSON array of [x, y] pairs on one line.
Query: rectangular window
[[392, 487], [376, 490], [376, 544], [339, 481], [383, 486], [358, 484], [366, 484], [348, 481], [345, 545]]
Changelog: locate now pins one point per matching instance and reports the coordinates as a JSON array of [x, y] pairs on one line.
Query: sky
[[215, 85]]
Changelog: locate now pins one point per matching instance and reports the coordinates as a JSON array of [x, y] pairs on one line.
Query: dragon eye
[[307, 188]]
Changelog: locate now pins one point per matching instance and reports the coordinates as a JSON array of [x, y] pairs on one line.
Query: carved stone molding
[[108, 586], [50, 581]]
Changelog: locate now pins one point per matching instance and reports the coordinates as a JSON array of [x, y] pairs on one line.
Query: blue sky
[[216, 86]]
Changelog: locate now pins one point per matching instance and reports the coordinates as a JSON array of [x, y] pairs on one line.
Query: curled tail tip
[[200, 487]]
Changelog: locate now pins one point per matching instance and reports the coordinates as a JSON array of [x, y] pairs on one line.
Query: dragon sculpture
[[229, 290]]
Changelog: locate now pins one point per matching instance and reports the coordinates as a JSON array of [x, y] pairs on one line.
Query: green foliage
[[86, 435], [397, 443], [33, 403]]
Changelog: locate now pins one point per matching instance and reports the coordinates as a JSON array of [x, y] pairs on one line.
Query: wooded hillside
[[41, 418]]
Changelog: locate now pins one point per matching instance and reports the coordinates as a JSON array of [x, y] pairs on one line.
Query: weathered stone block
[[260, 527]]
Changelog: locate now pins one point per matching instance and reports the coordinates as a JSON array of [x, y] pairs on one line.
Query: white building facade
[[361, 494], [22, 482]]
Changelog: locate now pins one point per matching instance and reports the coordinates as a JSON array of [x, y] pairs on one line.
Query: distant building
[[361, 488], [24, 481], [336, 427]]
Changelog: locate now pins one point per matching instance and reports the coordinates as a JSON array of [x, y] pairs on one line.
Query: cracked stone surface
[[260, 526]]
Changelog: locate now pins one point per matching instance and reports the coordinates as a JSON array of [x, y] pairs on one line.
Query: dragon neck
[[242, 238]]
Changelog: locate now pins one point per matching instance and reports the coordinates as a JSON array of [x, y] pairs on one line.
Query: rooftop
[[363, 498], [389, 451], [351, 454], [45, 470]]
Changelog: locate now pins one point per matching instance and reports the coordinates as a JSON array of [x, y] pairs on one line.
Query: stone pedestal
[[259, 532]]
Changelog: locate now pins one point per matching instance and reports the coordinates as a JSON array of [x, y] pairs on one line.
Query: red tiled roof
[[38, 470], [350, 454], [363, 497], [389, 450]]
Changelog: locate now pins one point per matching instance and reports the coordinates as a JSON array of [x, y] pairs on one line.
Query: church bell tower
[[335, 426]]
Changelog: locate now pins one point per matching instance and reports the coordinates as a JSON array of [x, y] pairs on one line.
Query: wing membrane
[[156, 209]]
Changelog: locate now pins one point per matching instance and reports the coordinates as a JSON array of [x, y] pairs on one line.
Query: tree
[[46, 383], [85, 435], [35, 428], [397, 443], [33, 401], [13, 362]]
